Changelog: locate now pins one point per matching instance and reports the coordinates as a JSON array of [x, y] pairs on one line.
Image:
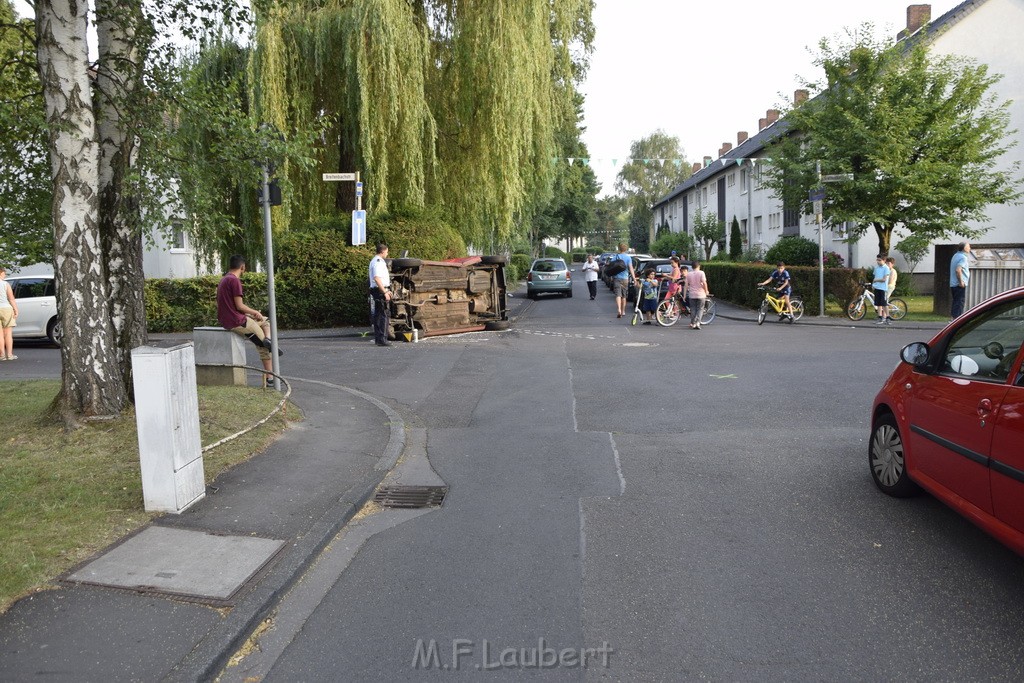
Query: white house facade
[[728, 186]]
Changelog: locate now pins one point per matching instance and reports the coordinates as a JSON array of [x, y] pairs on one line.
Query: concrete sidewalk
[[301, 491]]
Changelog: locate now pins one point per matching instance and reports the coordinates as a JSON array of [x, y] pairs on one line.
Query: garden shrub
[[680, 242], [793, 251], [517, 268], [737, 283], [554, 252]]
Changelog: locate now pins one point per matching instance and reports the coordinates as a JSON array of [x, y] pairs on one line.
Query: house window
[[178, 236], [704, 196], [731, 180], [744, 180], [757, 224], [714, 188]]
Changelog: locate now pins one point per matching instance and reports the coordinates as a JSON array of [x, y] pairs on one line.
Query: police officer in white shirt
[[380, 290]]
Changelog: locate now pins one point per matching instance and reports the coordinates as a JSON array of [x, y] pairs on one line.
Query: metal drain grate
[[410, 496]]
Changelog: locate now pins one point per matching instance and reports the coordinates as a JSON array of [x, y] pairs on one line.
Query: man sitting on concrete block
[[234, 315]]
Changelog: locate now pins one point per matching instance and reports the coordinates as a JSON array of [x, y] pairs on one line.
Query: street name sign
[[339, 176]]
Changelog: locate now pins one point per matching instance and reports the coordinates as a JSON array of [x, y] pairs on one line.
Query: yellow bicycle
[[779, 305]]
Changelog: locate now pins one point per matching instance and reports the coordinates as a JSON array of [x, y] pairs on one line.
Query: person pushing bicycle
[[780, 282]]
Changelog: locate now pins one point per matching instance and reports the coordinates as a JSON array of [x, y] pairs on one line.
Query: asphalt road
[[696, 502]]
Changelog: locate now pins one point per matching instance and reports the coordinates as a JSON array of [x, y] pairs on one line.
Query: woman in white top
[[8, 317], [590, 275]]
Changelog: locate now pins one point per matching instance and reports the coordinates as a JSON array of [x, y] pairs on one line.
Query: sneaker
[[888, 321], [782, 316], [647, 322], [880, 321], [12, 358]]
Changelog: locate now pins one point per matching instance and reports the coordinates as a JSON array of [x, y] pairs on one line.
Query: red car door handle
[[984, 407]]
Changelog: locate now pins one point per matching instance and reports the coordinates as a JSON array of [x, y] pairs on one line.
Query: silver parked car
[[548, 275], [37, 307]]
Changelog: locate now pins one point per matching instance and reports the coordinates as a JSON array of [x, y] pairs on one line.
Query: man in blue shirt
[[959, 276], [880, 287], [620, 282]]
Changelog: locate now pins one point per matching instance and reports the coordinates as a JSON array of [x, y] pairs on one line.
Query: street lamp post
[[817, 196]]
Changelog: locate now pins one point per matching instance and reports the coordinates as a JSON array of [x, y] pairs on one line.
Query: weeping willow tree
[[436, 102]]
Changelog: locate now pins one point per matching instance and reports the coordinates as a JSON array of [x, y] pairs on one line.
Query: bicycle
[[856, 309], [673, 307], [779, 304]]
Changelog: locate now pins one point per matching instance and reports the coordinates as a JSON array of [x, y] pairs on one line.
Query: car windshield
[[548, 266]]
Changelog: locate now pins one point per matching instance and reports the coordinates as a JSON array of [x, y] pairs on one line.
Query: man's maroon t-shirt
[[229, 316]]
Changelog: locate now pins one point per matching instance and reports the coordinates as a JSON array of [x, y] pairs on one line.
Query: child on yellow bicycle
[[780, 283]]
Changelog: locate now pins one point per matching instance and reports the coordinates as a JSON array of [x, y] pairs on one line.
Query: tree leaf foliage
[[921, 134]]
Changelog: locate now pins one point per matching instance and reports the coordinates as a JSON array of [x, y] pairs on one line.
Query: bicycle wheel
[[798, 308], [708, 315], [667, 314], [762, 312], [897, 309], [856, 309]]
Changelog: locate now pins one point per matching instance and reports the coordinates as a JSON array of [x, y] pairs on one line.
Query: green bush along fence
[[737, 283]]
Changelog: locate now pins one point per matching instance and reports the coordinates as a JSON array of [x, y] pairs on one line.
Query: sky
[[702, 71]]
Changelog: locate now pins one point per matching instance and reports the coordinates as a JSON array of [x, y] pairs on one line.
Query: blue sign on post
[[359, 189], [359, 227], [817, 194]]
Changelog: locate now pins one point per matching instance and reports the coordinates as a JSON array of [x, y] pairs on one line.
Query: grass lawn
[[64, 496], [918, 308]]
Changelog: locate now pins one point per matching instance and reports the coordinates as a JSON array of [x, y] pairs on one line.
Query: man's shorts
[[881, 297], [253, 327], [620, 286], [7, 317]]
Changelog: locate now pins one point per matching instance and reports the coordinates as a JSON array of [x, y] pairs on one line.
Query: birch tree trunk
[[91, 382], [120, 34]]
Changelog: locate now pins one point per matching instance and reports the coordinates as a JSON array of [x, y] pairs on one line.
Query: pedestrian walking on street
[[620, 281], [8, 317], [380, 295], [696, 292], [590, 275], [959, 277], [234, 315]]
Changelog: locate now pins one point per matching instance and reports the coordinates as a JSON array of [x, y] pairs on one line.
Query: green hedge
[[517, 268], [737, 283]]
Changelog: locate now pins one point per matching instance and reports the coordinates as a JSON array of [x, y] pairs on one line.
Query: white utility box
[[167, 417]]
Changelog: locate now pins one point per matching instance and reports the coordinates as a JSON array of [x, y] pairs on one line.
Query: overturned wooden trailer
[[431, 298]]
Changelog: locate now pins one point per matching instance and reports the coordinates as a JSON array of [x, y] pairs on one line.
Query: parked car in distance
[[548, 276], [37, 307], [634, 257], [950, 419]]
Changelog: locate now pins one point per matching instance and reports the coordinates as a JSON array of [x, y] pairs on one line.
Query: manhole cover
[[410, 496]]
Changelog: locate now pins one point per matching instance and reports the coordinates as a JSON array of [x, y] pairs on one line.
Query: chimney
[[741, 137], [799, 97], [918, 16], [724, 149], [762, 124], [707, 161], [772, 115], [696, 167]]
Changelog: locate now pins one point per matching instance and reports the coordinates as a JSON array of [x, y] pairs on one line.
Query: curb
[[211, 655]]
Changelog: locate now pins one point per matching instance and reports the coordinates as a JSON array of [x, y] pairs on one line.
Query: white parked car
[[37, 307]]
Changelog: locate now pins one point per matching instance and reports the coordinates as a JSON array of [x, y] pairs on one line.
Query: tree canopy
[[657, 165], [921, 135], [26, 232]]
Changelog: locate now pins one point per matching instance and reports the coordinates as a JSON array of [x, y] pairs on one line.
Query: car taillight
[[568, 275], [529, 277]]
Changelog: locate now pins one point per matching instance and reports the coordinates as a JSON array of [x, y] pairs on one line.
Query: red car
[[950, 419]]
